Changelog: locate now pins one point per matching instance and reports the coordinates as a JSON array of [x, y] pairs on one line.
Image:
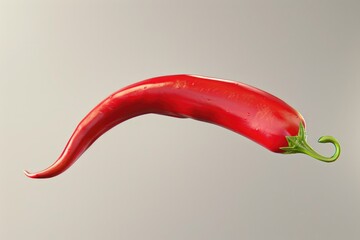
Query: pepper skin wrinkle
[[249, 111]]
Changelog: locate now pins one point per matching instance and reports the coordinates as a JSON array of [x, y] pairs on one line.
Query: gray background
[[156, 177]]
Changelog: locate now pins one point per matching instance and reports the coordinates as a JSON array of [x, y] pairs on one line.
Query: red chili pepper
[[249, 111]]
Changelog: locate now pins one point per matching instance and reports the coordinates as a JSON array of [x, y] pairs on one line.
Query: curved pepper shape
[[246, 110]]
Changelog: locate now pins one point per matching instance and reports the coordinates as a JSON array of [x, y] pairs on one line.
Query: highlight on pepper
[[246, 110]]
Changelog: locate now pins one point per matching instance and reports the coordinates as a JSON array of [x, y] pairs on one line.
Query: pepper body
[[246, 110]]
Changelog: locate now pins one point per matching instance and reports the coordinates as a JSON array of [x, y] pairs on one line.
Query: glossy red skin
[[246, 110]]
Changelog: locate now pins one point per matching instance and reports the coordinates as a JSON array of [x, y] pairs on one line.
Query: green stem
[[298, 144]]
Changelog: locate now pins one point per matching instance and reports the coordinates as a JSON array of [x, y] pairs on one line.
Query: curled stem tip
[[298, 144]]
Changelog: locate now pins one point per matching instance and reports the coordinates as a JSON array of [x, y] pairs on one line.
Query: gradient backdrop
[[156, 177]]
